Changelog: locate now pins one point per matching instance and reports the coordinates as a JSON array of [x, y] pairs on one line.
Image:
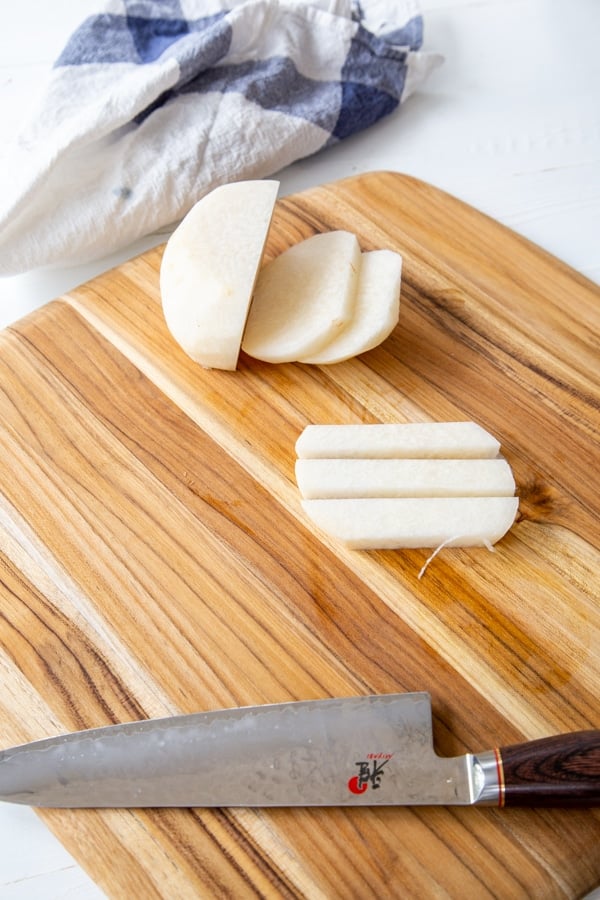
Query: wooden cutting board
[[155, 558]]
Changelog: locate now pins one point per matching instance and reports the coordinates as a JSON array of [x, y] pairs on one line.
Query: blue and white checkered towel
[[152, 103]]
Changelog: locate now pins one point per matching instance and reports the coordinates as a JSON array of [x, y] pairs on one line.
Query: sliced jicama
[[303, 298], [417, 485], [209, 268], [392, 523], [376, 309], [416, 440], [345, 478]]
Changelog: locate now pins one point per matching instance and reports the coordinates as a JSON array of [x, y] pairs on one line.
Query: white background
[[510, 124]]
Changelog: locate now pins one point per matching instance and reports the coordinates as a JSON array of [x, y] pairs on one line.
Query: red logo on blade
[[370, 773], [356, 786]]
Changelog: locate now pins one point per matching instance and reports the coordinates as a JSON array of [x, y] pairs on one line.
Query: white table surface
[[510, 124]]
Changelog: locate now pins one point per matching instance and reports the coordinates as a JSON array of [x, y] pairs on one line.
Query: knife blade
[[354, 751]]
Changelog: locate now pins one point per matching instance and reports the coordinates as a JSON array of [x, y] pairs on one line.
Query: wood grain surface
[[155, 558]]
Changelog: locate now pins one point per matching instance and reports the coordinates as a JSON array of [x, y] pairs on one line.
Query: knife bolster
[[488, 781]]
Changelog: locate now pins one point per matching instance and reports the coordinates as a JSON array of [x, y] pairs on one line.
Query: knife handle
[[559, 771]]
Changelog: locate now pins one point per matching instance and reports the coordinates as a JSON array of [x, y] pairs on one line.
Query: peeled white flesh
[[393, 523], [209, 269], [414, 440], [376, 309], [347, 478], [304, 298]]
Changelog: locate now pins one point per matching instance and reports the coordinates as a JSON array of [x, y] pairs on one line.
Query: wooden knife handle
[[558, 771]]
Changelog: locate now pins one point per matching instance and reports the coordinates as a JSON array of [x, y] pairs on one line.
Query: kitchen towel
[[152, 103]]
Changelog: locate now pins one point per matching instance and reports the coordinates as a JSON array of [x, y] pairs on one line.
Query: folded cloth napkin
[[152, 103]]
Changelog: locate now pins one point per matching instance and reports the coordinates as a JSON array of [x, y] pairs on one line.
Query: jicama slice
[[414, 440], [393, 523], [345, 478], [376, 310], [209, 268], [303, 298]]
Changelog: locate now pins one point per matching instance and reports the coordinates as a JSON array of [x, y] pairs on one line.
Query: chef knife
[[355, 751]]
